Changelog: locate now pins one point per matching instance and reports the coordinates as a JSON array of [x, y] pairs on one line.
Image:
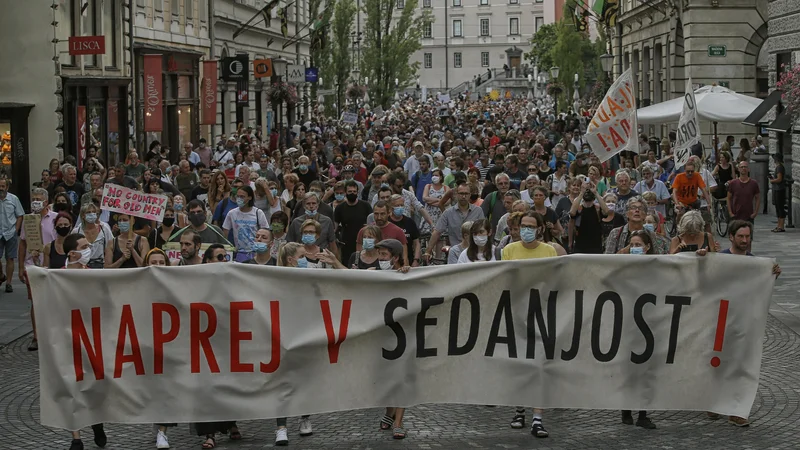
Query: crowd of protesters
[[488, 181]]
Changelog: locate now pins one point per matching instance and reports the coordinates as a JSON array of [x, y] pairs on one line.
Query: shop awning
[[755, 117], [11, 105], [782, 124], [166, 50]]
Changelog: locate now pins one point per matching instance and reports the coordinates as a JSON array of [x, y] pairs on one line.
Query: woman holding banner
[[128, 249]]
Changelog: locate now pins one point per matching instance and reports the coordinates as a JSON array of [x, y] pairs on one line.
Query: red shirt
[[361, 175], [743, 196]]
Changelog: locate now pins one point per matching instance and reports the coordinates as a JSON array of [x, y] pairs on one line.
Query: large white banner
[[236, 341], [688, 132], [614, 126]]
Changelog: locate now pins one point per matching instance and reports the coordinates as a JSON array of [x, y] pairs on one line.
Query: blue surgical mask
[[303, 167], [650, 227], [177, 206], [124, 226], [339, 197], [91, 217], [527, 234], [368, 243], [637, 250], [398, 211], [274, 192], [302, 263], [309, 239], [240, 202], [311, 213], [260, 247]]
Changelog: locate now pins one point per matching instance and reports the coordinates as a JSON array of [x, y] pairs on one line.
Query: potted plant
[[789, 83], [356, 92], [554, 88], [280, 92]]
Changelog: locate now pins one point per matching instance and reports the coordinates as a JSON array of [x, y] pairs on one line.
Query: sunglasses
[[220, 257]]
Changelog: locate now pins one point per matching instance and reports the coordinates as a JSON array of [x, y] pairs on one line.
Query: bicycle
[[721, 216]]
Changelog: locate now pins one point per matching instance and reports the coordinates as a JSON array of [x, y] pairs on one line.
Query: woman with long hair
[[95, 231], [156, 257], [480, 246], [124, 252], [218, 189], [432, 195], [54, 255], [367, 258], [55, 171]]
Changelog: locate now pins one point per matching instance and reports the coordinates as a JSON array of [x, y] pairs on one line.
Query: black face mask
[[351, 197], [168, 221], [197, 219], [63, 231], [58, 207]]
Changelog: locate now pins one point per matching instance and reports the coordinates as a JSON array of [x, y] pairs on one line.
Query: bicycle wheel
[[722, 219]]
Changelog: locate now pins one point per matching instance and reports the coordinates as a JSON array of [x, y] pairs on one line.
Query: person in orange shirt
[[685, 189]]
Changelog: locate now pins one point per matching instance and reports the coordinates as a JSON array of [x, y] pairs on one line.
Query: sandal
[[538, 430], [386, 422], [399, 433], [236, 435], [211, 444]]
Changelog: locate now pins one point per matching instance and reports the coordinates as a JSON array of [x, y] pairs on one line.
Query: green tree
[[340, 52], [389, 42], [542, 44], [320, 39]]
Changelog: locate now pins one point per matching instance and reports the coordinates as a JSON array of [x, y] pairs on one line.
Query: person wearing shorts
[[11, 213]]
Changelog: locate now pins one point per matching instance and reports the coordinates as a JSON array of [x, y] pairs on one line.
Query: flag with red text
[[614, 126]]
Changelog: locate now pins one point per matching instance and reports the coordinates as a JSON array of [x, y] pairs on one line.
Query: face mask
[[480, 241], [302, 263], [637, 250], [240, 202], [197, 219], [260, 247], [339, 197], [274, 192], [85, 255], [233, 191], [277, 227], [650, 227], [309, 239], [61, 207], [303, 167], [385, 265], [310, 213], [368, 243], [527, 234], [435, 179], [168, 221], [91, 217], [177, 206], [37, 206], [398, 211], [611, 206], [63, 231], [229, 166], [383, 185], [352, 197], [124, 226]]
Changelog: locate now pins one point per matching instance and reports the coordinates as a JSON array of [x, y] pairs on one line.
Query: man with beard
[[209, 234], [190, 249], [350, 216]]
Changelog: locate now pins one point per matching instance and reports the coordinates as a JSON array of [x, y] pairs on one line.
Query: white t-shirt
[[253, 166], [710, 182], [463, 258], [244, 226]]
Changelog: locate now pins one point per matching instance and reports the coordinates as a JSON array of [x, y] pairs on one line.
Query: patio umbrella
[[714, 104]]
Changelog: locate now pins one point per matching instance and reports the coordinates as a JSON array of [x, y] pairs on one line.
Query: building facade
[[69, 87], [468, 37], [784, 52], [710, 41]]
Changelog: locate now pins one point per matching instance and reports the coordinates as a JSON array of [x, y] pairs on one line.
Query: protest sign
[[378, 112], [276, 341], [32, 224], [349, 117], [123, 200], [688, 132], [614, 126], [444, 98]]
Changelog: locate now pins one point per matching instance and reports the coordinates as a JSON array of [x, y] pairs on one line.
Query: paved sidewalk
[[775, 414]]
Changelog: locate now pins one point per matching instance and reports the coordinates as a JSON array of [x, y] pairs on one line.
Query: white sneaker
[[305, 427], [161, 440], [281, 437]]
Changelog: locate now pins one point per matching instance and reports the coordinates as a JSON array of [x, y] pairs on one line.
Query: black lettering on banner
[[679, 301], [422, 322], [616, 332], [474, 323], [570, 354], [388, 318], [503, 309], [689, 102], [647, 333], [536, 319]]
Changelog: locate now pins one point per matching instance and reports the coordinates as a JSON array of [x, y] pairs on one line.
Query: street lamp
[[554, 73], [396, 87], [530, 86], [576, 97], [279, 66], [606, 62], [366, 92], [419, 93]]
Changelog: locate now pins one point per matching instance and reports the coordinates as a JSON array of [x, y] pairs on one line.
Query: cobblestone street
[[775, 417]]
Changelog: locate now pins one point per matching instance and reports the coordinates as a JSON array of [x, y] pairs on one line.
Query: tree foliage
[[340, 51], [389, 42], [321, 55]]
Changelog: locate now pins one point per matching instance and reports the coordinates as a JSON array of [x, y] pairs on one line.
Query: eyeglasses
[[220, 257]]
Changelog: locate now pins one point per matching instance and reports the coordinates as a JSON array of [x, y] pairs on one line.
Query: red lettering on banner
[[201, 338], [127, 328], [80, 336], [626, 127], [275, 320], [616, 139], [237, 336], [159, 336], [333, 342], [613, 106], [602, 115]]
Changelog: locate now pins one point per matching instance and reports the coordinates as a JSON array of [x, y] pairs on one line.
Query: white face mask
[[85, 255], [385, 265], [480, 241]]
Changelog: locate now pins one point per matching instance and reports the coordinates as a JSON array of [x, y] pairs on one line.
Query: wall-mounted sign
[[717, 50], [153, 106], [262, 68], [312, 74], [236, 68], [209, 93], [87, 45], [296, 74]]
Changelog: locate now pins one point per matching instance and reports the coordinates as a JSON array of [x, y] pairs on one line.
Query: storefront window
[[89, 28], [184, 125], [96, 127], [110, 32], [112, 154], [6, 151], [65, 27]]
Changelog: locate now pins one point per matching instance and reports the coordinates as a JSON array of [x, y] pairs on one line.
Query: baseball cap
[[393, 245], [418, 144]]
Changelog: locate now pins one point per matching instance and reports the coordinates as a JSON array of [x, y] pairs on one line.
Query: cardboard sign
[[122, 200], [32, 224], [348, 117], [688, 133]]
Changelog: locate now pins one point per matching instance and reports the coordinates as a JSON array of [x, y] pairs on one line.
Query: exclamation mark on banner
[[720, 337]]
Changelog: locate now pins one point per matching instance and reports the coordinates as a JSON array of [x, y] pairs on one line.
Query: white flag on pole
[[688, 132], [614, 127]]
